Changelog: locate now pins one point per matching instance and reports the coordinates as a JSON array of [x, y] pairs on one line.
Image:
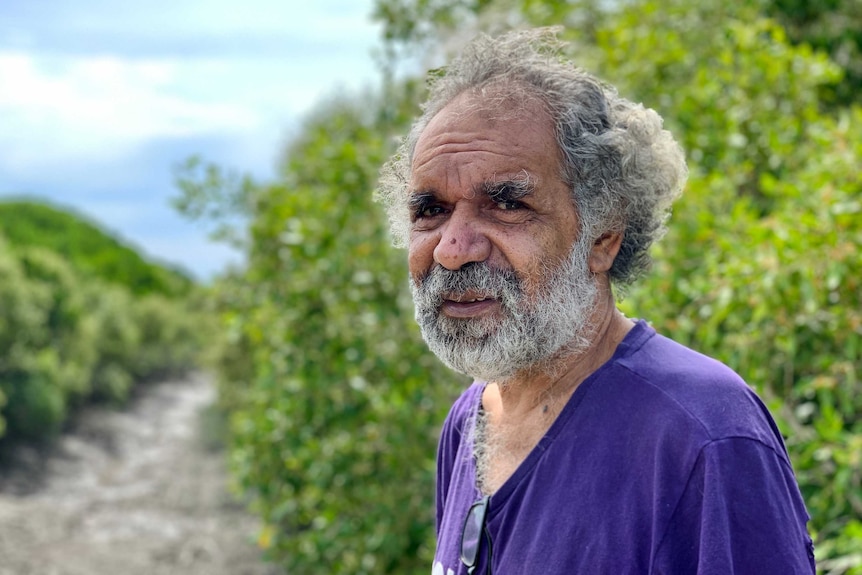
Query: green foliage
[[28, 401], [833, 26], [35, 405], [413, 21], [777, 297], [335, 403], [118, 341], [760, 268], [87, 248], [211, 193], [67, 337], [335, 400], [68, 329], [172, 334]]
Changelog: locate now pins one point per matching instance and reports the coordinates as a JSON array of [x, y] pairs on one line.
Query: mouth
[[471, 300], [468, 305]]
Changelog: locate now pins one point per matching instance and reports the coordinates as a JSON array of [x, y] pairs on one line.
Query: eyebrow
[[509, 189], [420, 199], [503, 190]]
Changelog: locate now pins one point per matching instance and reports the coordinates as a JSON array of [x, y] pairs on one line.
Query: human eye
[[508, 196], [428, 212], [425, 206], [509, 205]]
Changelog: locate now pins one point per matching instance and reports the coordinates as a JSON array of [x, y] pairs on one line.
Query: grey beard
[[528, 335]]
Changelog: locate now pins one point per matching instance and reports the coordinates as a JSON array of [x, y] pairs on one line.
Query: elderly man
[[588, 443]]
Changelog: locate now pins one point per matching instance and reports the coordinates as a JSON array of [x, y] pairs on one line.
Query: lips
[[468, 304]]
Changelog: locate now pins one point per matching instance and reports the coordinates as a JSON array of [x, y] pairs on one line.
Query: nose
[[461, 241]]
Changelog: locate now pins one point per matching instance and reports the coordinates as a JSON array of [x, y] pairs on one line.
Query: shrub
[[172, 334], [336, 402], [33, 403]]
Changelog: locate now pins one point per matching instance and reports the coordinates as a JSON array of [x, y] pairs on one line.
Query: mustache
[[473, 279]]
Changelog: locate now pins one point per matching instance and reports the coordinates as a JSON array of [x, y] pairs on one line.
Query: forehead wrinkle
[[433, 151], [518, 177]]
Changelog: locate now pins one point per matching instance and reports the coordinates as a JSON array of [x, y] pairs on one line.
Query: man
[[588, 443]]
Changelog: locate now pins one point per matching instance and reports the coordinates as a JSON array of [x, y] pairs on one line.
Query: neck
[[518, 412], [545, 390]]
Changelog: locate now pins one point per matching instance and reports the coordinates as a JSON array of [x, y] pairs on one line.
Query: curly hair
[[624, 170]]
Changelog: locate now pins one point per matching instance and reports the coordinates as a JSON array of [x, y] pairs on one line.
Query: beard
[[528, 332]]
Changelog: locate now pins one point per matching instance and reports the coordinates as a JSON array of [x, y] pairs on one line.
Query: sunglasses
[[471, 535]]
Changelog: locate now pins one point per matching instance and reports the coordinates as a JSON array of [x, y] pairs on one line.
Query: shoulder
[[687, 387], [464, 408], [657, 358], [455, 426]]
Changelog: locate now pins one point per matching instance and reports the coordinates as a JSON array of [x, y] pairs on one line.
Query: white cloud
[[66, 110], [99, 100]]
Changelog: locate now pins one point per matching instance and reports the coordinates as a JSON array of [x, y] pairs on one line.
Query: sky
[[100, 100]]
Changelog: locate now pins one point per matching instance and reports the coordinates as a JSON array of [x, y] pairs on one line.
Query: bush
[[118, 339], [760, 266], [336, 402], [87, 248], [172, 335], [67, 338], [69, 330], [330, 386], [29, 396]]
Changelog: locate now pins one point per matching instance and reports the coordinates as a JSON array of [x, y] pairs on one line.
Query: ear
[[604, 251]]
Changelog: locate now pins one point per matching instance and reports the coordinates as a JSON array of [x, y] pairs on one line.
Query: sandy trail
[[134, 492]]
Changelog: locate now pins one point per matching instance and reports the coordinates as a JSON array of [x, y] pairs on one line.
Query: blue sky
[[100, 99]]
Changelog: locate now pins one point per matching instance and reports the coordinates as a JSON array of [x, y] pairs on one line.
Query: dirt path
[[128, 493]]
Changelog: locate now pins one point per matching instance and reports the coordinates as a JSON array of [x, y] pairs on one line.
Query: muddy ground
[[131, 492]]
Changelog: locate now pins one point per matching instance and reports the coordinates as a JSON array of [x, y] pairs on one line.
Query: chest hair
[[499, 448]]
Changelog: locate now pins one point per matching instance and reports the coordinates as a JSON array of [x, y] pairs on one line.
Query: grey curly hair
[[624, 170]]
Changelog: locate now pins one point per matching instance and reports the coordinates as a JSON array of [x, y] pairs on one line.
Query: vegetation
[[87, 249], [75, 324], [335, 403], [833, 27], [335, 400]]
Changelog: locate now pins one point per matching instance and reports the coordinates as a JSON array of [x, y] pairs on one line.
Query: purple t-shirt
[[663, 462]]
